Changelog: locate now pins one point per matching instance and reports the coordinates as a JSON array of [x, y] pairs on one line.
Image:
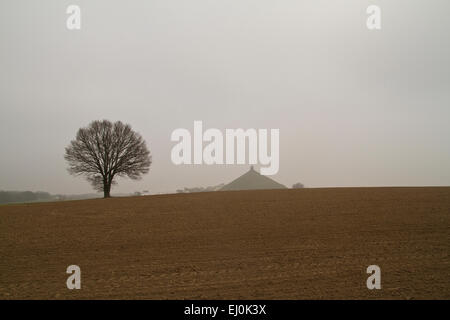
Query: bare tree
[[104, 150], [298, 185]]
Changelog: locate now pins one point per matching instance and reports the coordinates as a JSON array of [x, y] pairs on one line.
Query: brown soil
[[271, 244]]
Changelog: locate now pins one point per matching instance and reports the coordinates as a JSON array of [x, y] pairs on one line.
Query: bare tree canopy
[[298, 185], [105, 150]]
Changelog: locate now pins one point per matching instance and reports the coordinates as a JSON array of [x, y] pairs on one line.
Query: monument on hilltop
[[252, 180]]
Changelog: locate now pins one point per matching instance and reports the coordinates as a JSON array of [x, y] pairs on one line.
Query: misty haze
[[354, 107], [227, 149]]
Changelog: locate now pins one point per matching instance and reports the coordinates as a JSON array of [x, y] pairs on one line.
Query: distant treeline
[[24, 196], [201, 189]]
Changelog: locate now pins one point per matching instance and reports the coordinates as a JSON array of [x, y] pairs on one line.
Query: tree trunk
[[106, 188]]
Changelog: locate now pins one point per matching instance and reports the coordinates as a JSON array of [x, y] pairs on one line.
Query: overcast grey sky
[[354, 107]]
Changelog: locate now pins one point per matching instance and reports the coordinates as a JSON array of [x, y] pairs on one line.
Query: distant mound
[[252, 180]]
